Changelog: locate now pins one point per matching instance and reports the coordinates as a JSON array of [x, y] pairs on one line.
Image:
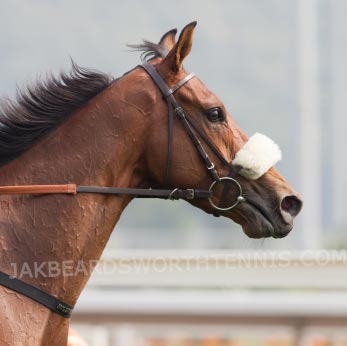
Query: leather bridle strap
[[158, 193], [213, 148], [233, 170], [203, 154], [167, 93], [74, 189], [38, 189], [174, 106], [34, 293], [159, 81], [189, 125]]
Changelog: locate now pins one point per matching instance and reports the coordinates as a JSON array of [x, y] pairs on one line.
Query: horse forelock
[[150, 50]]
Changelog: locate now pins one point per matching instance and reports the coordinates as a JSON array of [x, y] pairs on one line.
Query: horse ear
[[168, 40], [182, 48]]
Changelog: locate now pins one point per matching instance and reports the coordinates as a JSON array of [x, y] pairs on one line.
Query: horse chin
[[257, 228], [257, 225]]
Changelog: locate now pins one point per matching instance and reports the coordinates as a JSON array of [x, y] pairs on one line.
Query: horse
[[84, 128]]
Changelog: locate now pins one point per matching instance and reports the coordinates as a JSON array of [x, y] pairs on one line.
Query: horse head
[[269, 204]]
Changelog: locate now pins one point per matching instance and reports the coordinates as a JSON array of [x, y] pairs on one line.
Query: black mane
[[40, 108]]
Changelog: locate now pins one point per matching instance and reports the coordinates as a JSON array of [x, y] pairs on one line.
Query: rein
[[174, 108], [74, 189]]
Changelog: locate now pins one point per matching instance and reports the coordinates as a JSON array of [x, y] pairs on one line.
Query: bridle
[[189, 125], [174, 108], [167, 193]]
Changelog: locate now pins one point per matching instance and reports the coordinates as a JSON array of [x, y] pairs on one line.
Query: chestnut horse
[[89, 130]]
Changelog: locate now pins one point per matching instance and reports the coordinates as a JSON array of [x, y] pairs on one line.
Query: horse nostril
[[291, 205]]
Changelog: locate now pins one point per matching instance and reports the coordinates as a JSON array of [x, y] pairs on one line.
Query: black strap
[[203, 154], [213, 148], [173, 104], [45, 299], [169, 194], [189, 125], [169, 148], [158, 80]]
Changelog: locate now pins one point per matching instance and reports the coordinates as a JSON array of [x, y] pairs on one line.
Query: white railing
[[222, 269], [276, 294]]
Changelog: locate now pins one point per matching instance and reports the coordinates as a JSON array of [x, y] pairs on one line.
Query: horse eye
[[215, 115]]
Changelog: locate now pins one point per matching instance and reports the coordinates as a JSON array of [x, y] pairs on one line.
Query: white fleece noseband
[[257, 156]]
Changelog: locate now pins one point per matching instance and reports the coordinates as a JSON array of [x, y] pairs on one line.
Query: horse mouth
[[260, 224]]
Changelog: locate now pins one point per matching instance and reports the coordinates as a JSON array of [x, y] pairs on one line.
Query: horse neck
[[99, 145]]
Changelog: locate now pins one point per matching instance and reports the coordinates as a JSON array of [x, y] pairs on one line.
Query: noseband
[[65, 310]]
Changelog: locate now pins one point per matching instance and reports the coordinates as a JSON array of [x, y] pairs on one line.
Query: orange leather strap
[[38, 189]]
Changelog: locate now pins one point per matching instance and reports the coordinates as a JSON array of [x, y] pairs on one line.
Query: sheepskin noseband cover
[[257, 156]]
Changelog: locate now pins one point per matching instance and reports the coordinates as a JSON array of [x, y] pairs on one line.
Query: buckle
[[179, 111], [187, 194], [172, 194], [190, 193], [210, 167]]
